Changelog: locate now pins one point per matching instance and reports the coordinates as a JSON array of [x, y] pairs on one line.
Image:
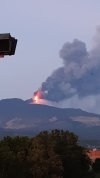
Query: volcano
[[18, 117]]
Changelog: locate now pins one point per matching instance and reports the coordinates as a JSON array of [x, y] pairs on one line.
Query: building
[[94, 154]]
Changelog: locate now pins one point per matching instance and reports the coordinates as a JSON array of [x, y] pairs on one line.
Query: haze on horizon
[[42, 27]]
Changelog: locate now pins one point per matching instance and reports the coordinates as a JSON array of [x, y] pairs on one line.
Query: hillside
[[19, 117]]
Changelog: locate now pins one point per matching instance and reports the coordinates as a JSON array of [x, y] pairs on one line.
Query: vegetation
[[54, 154], [96, 168]]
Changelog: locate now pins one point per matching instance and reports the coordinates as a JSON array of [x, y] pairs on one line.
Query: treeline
[[54, 154]]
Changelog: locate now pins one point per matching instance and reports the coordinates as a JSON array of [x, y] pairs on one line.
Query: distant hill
[[17, 117]]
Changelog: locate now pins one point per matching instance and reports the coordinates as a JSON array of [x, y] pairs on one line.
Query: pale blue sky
[[41, 27]]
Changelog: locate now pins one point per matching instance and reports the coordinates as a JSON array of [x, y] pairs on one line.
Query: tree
[[74, 159], [96, 165], [13, 157], [54, 154], [46, 163]]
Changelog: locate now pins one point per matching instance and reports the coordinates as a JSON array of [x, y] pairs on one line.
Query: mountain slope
[[19, 117]]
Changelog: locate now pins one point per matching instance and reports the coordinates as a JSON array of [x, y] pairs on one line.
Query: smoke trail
[[79, 75]]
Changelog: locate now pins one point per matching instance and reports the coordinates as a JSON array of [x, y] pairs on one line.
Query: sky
[[41, 27]]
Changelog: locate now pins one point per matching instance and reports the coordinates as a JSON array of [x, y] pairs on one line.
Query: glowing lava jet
[[37, 97]]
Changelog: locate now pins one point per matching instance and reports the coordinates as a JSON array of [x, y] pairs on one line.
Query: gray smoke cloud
[[78, 76]]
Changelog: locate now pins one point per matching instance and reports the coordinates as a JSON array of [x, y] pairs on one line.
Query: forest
[[50, 154]]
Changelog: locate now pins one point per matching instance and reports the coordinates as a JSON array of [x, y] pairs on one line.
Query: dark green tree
[[13, 157], [96, 165], [46, 163], [54, 154], [74, 159]]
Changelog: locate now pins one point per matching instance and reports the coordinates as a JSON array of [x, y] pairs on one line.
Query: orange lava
[[37, 96]]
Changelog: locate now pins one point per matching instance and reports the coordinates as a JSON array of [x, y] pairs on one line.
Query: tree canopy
[[54, 154]]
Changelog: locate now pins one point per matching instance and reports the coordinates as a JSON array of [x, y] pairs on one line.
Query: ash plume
[[78, 76]]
